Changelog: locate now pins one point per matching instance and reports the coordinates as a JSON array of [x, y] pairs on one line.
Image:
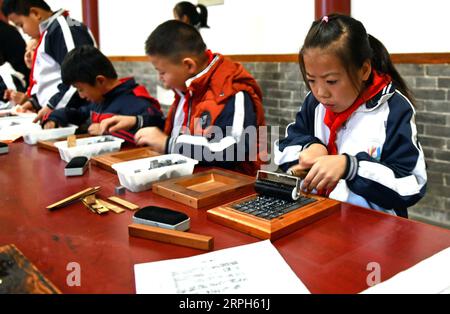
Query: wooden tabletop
[[329, 256]]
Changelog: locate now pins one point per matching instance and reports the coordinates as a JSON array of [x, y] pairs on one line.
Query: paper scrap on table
[[253, 268], [430, 276]]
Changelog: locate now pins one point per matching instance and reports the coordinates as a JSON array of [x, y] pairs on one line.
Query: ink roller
[[278, 185]]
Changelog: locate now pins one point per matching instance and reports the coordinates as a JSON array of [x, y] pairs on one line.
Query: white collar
[[189, 81], [43, 26]]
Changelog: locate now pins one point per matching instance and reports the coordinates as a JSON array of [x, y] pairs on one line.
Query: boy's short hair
[[22, 7], [83, 64], [174, 39]]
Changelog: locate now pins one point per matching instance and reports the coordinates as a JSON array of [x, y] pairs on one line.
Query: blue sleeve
[[71, 115], [152, 117], [397, 179], [146, 112]]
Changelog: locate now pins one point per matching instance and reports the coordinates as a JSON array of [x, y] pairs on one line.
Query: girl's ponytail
[[203, 16], [381, 62]]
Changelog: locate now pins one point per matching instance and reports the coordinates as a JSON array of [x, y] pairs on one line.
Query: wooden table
[[330, 256]]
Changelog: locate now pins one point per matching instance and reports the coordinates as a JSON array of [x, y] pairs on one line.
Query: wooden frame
[[22, 276], [275, 228], [107, 160], [188, 239], [209, 188]]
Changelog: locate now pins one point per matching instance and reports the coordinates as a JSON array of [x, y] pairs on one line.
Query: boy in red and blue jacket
[[95, 79], [217, 111]]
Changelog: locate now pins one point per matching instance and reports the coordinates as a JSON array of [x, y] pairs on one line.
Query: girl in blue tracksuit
[[356, 130]]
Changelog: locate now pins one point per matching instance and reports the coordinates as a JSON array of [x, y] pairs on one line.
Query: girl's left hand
[[325, 173]]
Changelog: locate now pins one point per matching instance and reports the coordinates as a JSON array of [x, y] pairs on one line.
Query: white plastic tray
[[89, 147], [11, 128], [32, 137], [143, 179], [6, 122]]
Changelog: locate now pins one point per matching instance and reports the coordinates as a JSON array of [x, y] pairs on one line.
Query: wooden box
[[107, 160], [209, 188], [275, 228]]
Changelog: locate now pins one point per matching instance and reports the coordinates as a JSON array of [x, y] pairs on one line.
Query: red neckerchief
[[32, 81], [188, 95], [335, 120]]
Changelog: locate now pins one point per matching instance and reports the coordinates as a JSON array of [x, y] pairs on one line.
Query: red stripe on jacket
[[99, 117]]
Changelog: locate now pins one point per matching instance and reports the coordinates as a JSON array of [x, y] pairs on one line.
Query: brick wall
[[284, 91]]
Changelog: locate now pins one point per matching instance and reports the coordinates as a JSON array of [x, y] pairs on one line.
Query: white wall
[[125, 25], [237, 27], [73, 6], [406, 26], [259, 26], [268, 26]]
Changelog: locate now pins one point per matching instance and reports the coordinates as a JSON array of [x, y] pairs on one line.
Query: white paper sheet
[[430, 276], [253, 268]]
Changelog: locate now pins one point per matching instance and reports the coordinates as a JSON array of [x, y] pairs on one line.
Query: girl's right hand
[[306, 159]]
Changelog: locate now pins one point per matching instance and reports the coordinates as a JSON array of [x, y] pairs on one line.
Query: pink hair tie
[[325, 18]]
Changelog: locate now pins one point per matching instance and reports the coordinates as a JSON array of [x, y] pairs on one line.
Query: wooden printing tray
[[107, 160], [22, 276], [275, 228], [50, 144], [209, 188]]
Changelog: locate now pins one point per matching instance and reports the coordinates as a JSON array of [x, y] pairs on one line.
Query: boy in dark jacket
[[95, 79]]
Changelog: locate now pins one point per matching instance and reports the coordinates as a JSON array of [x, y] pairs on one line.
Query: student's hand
[[18, 97], [153, 137], [94, 129], [42, 113], [308, 157], [27, 106], [49, 125], [117, 123], [325, 173], [7, 94]]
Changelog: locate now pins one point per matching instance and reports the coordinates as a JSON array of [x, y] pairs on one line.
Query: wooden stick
[[74, 197], [124, 203], [114, 208], [196, 241]]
